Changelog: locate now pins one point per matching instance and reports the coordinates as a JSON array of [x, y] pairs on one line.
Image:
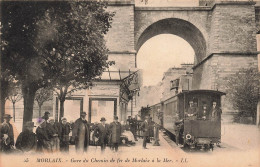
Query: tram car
[[192, 117]]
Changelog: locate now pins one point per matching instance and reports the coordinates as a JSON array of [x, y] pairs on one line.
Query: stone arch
[[181, 28]]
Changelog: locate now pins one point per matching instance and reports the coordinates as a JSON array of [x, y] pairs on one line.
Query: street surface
[[239, 148]]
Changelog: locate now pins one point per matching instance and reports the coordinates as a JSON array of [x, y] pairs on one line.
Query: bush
[[243, 93]]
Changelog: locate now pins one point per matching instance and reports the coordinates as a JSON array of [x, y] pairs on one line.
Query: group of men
[[49, 136], [108, 134], [193, 112], [54, 136]]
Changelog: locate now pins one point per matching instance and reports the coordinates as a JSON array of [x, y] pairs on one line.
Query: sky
[[160, 53]]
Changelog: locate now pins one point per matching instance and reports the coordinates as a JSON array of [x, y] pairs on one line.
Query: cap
[[83, 113], [103, 119], [63, 118], [7, 116]]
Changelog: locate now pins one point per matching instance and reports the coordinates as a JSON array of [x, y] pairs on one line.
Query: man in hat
[[64, 130], [81, 133], [7, 134], [43, 144], [145, 128], [46, 116], [27, 140], [115, 130], [191, 112], [52, 132], [215, 113], [102, 131]]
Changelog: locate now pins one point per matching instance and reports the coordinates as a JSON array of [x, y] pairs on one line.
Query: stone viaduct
[[223, 36]]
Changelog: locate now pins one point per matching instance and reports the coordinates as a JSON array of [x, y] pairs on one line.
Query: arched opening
[[159, 54], [181, 28]]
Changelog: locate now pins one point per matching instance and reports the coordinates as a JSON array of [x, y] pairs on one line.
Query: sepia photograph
[[130, 83]]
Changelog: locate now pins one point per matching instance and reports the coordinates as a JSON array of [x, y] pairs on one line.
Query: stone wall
[[233, 28], [213, 73], [120, 38]]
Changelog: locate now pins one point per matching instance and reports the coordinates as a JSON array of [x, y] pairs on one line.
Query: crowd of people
[[51, 136]]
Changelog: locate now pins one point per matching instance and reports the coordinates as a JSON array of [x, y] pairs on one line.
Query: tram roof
[[202, 91]]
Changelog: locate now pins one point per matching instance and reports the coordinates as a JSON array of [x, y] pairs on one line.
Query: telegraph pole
[[258, 60]]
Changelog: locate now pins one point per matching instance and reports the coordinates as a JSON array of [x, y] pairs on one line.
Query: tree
[[35, 34], [78, 51], [20, 57], [243, 92], [43, 95], [14, 95], [5, 75]]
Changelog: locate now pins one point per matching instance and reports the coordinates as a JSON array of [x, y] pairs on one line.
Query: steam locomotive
[[191, 117]]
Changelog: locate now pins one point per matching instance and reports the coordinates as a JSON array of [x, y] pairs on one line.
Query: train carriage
[[199, 129]]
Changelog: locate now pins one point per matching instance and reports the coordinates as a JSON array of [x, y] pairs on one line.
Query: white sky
[[160, 53]]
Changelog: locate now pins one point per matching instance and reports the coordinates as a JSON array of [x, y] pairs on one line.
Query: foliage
[[21, 57], [14, 92], [58, 44], [243, 91], [77, 53], [42, 95]]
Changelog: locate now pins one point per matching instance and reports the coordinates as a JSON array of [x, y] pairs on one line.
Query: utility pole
[[258, 60]]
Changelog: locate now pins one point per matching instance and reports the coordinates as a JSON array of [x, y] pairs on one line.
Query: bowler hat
[[29, 124], [116, 117], [83, 113], [102, 119], [7, 116], [46, 113]]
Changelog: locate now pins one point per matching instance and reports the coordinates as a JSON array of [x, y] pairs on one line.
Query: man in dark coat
[[81, 133], [133, 127], [215, 113], [46, 116], [27, 140], [43, 144], [102, 131], [52, 132], [191, 112], [7, 134], [145, 128], [115, 130], [64, 130]]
